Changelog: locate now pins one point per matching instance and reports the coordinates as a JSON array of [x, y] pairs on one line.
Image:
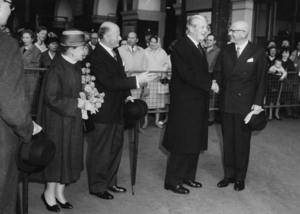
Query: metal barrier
[[279, 93], [33, 78]]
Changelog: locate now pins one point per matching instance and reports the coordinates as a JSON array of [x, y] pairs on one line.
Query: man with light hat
[[15, 121]]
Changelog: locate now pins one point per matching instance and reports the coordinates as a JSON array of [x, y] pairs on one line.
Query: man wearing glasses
[[15, 121], [241, 74]]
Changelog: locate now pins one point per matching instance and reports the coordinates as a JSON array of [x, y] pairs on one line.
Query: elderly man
[[212, 51], [187, 129], [133, 57], [15, 120], [105, 150], [241, 74]]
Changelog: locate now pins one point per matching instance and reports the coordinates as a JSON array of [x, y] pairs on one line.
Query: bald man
[[241, 74], [105, 149]]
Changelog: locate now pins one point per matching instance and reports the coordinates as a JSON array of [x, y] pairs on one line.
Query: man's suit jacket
[[31, 57], [15, 120], [242, 81], [187, 128], [110, 79]]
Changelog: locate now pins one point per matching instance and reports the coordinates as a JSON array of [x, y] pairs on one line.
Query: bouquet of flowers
[[90, 93]]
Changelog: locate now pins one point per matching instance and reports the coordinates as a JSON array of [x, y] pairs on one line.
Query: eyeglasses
[[12, 7], [233, 31]]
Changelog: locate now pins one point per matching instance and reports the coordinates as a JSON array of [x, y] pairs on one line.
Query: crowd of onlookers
[[39, 48]]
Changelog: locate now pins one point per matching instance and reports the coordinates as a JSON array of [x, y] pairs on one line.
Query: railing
[[279, 93]]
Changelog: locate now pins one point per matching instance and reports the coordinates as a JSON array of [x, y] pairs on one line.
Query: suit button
[[245, 73], [239, 94]]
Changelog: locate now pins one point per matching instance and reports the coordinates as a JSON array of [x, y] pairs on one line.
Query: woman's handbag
[[163, 86], [145, 92]]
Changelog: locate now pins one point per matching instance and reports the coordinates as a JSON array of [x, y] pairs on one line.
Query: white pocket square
[[250, 60]]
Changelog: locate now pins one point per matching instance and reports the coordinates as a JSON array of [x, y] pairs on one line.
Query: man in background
[[133, 57], [212, 51], [94, 40]]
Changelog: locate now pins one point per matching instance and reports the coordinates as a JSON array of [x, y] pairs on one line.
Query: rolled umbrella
[[134, 112], [135, 155]]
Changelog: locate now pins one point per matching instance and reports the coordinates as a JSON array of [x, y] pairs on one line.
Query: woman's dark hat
[[51, 38], [134, 111], [257, 122], [36, 154], [72, 38]]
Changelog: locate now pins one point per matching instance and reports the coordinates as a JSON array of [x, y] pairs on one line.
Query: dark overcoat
[[15, 120], [61, 120], [187, 128]]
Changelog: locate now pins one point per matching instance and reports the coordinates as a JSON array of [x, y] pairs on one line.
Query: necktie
[[24, 50], [238, 52], [132, 49], [115, 55], [200, 49]]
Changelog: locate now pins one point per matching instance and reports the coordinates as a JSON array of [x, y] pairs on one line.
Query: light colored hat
[[72, 38]]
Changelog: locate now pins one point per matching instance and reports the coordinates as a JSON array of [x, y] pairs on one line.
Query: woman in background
[[31, 55], [48, 56], [156, 60], [41, 34]]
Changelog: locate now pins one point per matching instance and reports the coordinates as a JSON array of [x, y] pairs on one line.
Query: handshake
[[215, 87]]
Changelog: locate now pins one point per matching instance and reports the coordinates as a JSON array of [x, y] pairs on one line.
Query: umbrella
[[135, 154]]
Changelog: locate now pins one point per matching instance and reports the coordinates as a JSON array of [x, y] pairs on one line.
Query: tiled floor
[[272, 185]]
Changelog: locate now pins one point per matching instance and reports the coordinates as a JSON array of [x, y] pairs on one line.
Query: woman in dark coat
[[48, 56], [59, 113]]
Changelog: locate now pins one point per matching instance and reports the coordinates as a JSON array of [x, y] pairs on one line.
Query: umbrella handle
[[25, 193]]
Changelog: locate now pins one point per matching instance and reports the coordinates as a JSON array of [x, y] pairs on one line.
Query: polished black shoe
[[239, 185], [177, 189], [117, 189], [104, 195], [66, 205], [53, 208], [225, 182], [193, 184]]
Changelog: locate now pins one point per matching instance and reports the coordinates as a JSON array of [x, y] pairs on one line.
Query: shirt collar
[[242, 47], [193, 40], [68, 59], [108, 49]]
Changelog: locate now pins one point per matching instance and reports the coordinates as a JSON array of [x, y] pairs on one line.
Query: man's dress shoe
[[193, 184], [117, 189], [104, 195], [225, 182], [53, 208], [177, 189], [66, 205], [239, 185]]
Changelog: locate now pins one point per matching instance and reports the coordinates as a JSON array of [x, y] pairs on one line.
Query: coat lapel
[[243, 57], [195, 49]]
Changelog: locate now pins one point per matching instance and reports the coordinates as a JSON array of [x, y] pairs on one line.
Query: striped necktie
[[115, 55]]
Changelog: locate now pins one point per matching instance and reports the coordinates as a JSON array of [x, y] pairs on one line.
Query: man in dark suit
[[187, 129], [105, 150], [241, 74], [15, 120]]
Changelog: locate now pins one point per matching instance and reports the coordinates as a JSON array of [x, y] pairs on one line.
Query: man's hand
[[130, 98], [146, 77], [256, 109], [215, 86]]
